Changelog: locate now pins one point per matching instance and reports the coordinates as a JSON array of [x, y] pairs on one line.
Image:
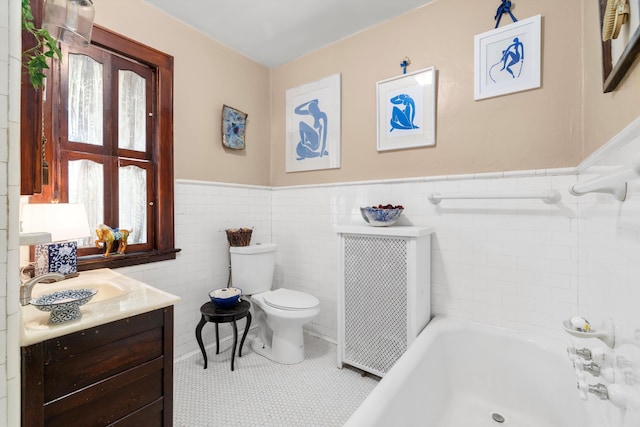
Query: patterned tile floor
[[260, 393]]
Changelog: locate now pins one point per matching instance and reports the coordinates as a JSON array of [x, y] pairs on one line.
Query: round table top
[[225, 314]]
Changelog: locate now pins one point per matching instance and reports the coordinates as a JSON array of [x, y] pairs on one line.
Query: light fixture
[[66, 223], [69, 21]]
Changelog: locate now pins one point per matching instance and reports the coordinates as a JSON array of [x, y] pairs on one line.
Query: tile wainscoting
[[520, 264], [512, 263]]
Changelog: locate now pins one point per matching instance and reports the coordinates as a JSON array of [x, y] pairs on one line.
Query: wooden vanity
[[116, 373]]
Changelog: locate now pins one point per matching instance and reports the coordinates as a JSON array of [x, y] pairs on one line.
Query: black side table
[[211, 313]]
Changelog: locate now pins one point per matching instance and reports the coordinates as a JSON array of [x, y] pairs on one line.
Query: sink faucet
[[27, 286]]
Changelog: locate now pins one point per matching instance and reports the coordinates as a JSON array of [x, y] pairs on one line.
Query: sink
[[118, 297], [106, 289]]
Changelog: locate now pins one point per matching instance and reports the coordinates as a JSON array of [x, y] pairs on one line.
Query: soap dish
[[605, 333], [64, 305]]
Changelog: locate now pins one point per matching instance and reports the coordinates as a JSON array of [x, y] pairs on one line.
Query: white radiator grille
[[375, 304]]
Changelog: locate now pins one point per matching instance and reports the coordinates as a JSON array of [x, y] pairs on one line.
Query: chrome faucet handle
[[618, 395], [591, 367], [600, 390], [572, 351]]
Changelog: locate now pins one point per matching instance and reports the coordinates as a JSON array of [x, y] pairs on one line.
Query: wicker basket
[[239, 236]]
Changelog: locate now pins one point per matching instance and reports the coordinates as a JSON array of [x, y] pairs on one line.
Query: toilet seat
[[287, 299]]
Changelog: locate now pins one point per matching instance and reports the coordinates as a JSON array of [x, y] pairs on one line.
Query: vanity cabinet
[[118, 373]]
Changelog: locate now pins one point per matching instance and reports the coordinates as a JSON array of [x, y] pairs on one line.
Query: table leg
[[217, 340], [246, 329], [235, 342], [199, 339]]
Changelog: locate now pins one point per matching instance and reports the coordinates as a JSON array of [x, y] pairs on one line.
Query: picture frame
[[406, 114], [507, 59], [234, 123], [619, 54], [313, 125]]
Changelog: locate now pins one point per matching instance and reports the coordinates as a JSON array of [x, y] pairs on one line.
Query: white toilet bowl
[[280, 315]]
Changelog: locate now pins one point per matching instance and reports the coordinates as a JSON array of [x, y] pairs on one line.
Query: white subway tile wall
[[511, 263], [508, 263], [203, 211], [10, 73]]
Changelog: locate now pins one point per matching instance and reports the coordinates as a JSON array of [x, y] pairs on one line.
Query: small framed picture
[[507, 59], [233, 127], [407, 110]]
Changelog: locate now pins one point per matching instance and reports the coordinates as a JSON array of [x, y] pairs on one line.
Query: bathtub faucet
[[599, 390], [585, 353], [615, 393], [591, 368]]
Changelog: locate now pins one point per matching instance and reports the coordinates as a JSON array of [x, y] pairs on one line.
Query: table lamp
[[66, 223]]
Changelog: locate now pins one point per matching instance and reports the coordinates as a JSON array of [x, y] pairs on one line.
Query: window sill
[[93, 262]]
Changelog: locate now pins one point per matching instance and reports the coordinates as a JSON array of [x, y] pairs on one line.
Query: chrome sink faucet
[[27, 286]]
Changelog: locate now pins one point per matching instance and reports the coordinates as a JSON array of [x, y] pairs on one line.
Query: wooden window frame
[[162, 206]]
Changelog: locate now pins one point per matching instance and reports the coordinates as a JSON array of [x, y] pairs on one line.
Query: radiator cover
[[384, 294]]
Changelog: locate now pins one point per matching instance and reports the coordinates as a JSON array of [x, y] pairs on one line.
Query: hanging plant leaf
[[35, 58]]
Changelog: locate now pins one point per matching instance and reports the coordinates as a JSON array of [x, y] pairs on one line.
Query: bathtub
[[459, 373]]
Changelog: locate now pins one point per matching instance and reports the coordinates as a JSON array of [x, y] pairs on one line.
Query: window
[[110, 122]]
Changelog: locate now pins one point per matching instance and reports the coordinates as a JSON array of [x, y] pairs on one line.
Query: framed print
[[313, 125], [233, 127], [620, 25], [407, 110], [507, 59]]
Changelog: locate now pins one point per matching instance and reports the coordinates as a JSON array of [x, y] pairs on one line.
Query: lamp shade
[[69, 21], [65, 221]]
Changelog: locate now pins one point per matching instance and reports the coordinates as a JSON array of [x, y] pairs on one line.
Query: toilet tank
[[252, 267]]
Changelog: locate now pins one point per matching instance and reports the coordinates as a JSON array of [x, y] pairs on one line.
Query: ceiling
[[274, 32]]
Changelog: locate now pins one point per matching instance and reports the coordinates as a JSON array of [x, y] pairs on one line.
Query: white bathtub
[[459, 373]]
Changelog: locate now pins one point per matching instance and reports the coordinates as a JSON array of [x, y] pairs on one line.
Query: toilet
[[280, 313]]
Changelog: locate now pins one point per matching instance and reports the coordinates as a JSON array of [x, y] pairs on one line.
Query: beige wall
[[207, 75], [555, 126], [536, 129]]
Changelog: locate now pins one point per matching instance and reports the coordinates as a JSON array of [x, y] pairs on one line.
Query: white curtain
[[85, 100], [86, 186], [132, 111], [133, 202]]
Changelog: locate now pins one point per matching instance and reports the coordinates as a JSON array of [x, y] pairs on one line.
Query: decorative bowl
[[225, 297], [64, 305], [381, 217]]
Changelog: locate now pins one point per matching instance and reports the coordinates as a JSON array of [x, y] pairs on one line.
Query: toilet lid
[[286, 299]]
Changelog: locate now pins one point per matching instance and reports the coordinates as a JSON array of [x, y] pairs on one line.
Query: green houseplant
[[35, 58]]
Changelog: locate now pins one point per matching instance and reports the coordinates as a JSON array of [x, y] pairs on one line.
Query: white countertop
[[118, 297]]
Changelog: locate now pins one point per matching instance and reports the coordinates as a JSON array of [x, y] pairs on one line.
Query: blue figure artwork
[[313, 140], [512, 56], [402, 117]]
